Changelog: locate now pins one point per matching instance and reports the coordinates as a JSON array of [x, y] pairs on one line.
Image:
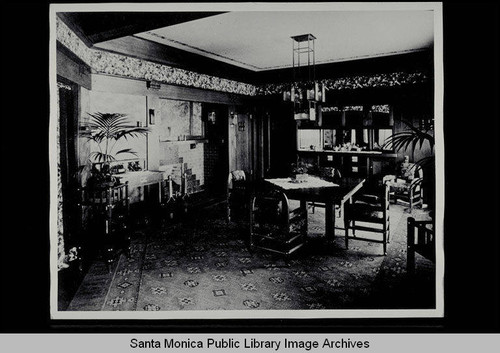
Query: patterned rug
[[206, 265]]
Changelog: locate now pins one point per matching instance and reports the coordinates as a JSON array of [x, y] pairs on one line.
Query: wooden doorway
[[216, 156]]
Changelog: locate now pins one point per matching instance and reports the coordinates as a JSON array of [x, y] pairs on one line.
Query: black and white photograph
[[251, 160]]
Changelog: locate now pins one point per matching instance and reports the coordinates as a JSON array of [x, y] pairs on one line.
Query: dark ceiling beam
[[97, 27]]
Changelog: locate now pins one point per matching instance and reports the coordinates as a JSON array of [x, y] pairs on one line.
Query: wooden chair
[[370, 205], [406, 187], [237, 195], [274, 227], [420, 242], [109, 212], [333, 175]]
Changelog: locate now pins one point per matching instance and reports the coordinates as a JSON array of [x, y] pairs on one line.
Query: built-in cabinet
[[351, 139]]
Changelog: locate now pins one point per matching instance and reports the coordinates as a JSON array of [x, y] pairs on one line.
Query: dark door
[[216, 149]]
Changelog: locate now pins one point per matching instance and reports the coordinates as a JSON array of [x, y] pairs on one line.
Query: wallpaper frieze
[[394, 79]]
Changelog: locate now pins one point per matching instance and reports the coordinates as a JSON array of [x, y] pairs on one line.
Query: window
[[310, 139]]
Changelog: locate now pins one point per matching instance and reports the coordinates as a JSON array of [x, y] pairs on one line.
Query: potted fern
[[106, 129]]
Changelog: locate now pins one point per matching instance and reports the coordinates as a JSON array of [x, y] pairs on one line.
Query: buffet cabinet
[[351, 139]]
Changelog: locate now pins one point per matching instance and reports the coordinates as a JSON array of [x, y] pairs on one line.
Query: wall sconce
[[153, 85], [234, 117], [151, 116], [211, 117], [241, 126]]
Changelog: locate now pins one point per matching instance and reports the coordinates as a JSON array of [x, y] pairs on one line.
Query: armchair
[[368, 211], [406, 186], [274, 226]]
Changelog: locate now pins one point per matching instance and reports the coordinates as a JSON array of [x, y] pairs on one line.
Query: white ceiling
[[259, 40]]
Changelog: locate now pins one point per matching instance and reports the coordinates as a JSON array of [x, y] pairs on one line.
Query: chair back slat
[[423, 243], [273, 226]]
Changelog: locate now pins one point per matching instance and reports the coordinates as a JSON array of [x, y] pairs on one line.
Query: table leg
[[303, 206], [330, 220]]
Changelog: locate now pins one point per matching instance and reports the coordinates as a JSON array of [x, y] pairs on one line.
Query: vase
[[299, 178]]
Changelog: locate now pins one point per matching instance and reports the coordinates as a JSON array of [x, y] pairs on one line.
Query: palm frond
[[426, 162], [423, 135], [101, 157], [104, 127], [126, 150], [131, 132], [411, 137]]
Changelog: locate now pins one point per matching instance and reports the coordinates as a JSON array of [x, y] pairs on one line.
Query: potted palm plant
[[411, 138], [106, 129]]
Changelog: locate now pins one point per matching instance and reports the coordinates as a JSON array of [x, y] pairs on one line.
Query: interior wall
[[134, 107], [178, 123], [178, 113]]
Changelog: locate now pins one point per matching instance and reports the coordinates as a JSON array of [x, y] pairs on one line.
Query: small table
[[319, 190], [140, 183], [145, 193]]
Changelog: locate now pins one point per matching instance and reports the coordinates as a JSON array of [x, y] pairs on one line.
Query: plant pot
[[101, 182]]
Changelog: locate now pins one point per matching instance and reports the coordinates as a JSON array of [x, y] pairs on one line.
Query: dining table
[[319, 191]]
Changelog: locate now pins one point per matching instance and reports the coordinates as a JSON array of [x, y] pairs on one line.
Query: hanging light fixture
[[305, 92]]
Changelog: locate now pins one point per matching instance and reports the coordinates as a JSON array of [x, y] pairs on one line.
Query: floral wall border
[[394, 79], [120, 65]]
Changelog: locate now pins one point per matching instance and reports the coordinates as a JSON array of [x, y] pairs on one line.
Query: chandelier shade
[[304, 92]]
